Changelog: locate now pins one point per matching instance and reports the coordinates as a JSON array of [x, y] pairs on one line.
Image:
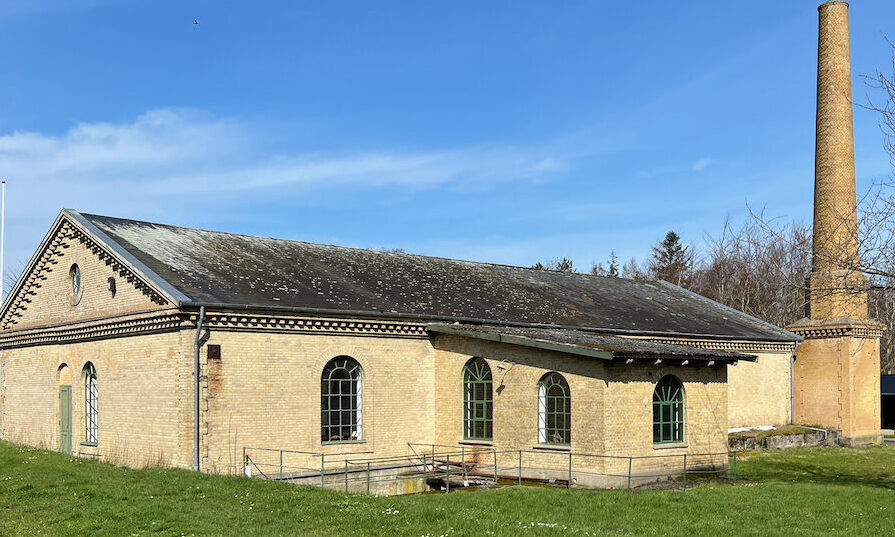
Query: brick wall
[[142, 384], [265, 392], [759, 393], [837, 385], [611, 404]]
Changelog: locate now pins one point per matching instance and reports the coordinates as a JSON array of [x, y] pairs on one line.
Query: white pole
[[2, 237]]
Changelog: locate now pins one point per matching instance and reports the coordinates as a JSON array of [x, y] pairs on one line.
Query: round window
[[74, 274]]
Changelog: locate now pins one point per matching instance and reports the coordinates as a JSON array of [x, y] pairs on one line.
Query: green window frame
[[91, 405], [668, 411], [554, 410], [478, 402], [341, 404]]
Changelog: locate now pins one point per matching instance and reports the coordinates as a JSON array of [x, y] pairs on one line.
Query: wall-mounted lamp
[[502, 366]]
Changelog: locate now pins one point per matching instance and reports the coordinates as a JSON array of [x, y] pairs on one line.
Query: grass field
[[795, 492]]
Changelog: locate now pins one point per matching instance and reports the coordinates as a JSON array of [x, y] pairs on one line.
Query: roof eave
[[422, 317], [569, 348], [522, 341]]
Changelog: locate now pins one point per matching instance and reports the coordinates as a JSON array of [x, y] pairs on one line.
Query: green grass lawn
[[795, 492]]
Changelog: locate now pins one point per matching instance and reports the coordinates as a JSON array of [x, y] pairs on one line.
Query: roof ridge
[[384, 252]]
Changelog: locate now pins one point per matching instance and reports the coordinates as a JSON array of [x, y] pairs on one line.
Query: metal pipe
[[569, 482], [196, 390], [734, 467], [2, 235], [792, 388], [447, 478]]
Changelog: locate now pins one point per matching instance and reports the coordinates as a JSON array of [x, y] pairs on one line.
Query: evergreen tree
[[612, 271], [559, 265], [564, 265], [671, 261]]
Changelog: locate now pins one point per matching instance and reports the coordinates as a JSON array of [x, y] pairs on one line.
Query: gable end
[[63, 235]]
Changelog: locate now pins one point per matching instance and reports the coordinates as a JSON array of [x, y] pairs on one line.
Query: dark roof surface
[[579, 342], [226, 269]]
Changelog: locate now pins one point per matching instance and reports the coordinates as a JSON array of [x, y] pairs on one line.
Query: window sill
[[89, 444], [680, 445], [476, 442], [343, 442], [553, 447]]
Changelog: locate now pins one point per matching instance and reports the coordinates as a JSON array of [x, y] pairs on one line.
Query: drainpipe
[[792, 388], [196, 391]]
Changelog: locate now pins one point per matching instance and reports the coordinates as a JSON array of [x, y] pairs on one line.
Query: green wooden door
[[65, 419]]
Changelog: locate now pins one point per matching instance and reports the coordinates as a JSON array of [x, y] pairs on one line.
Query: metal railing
[[442, 467]]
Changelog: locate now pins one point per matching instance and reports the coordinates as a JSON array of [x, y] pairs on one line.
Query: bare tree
[[611, 269], [751, 269], [12, 273]]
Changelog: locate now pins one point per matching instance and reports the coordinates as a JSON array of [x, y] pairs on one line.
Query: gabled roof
[[193, 267]]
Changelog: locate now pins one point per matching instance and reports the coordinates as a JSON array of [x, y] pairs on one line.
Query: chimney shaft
[[835, 285]]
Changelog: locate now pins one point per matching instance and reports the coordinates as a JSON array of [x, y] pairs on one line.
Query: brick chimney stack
[[837, 290], [836, 367]]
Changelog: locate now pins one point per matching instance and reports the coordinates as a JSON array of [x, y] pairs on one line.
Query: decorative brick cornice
[[838, 331], [62, 240], [100, 329], [839, 327], [171, 320], [312, 325], [730, 346]]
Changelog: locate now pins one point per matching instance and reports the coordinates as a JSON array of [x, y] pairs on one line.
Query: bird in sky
[[195, 21]]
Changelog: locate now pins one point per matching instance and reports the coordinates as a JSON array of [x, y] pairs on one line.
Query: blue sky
[[507, 132]]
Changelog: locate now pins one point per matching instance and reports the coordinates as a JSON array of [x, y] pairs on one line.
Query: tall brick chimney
[[836, 369], [837, 290]]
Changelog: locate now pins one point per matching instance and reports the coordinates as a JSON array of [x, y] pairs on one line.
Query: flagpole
[[2, 238]]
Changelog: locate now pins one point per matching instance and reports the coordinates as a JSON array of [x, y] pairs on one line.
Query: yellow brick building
[[336, 351]]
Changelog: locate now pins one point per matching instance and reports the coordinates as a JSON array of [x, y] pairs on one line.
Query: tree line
[[756, 268]]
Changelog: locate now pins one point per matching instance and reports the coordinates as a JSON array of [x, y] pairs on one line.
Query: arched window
[[91, 410], [554, 410], [341, 406], [668, 411], [477, 400]]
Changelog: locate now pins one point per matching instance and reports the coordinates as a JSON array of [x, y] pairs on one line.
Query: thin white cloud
[[165, 161], [701, 164], [168, 151]]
